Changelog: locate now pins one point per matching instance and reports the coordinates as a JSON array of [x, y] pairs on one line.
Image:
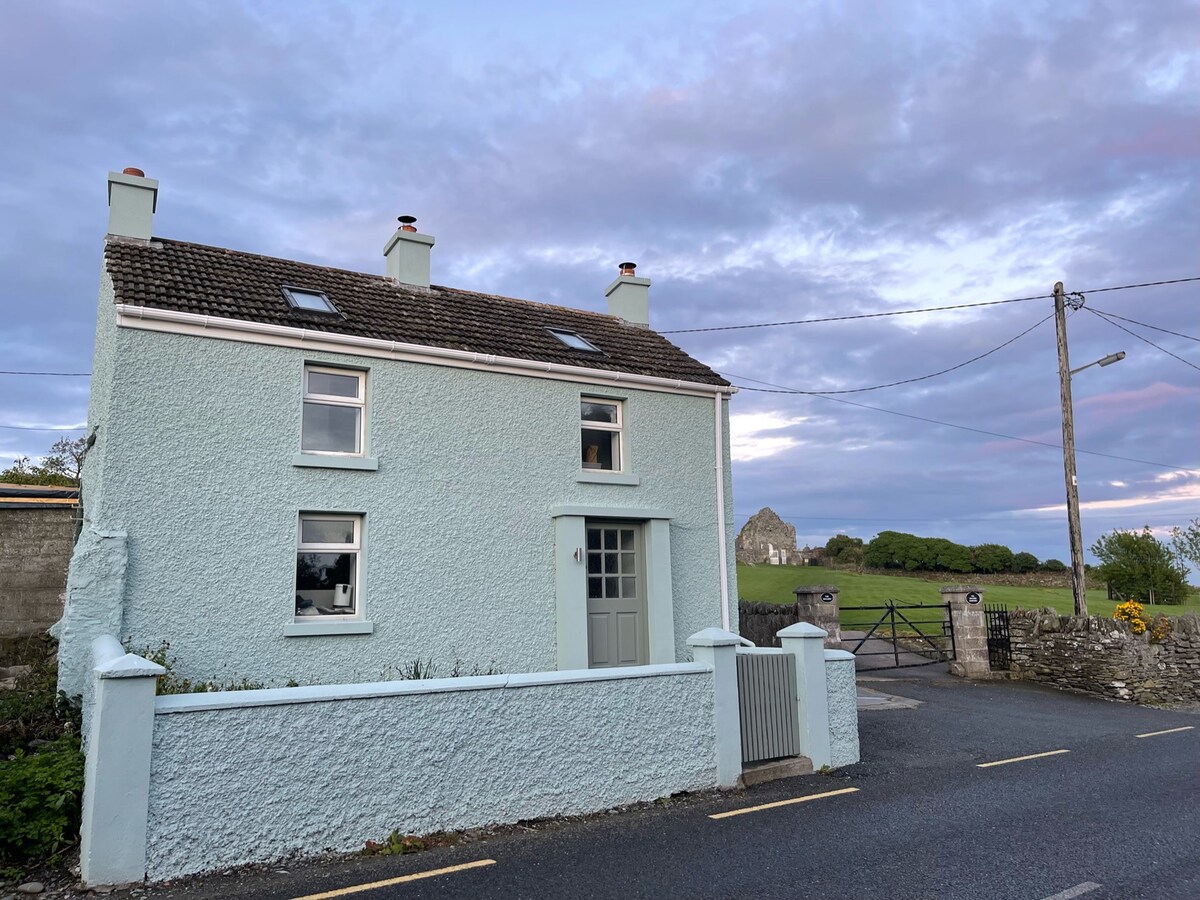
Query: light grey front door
[[616, 605]]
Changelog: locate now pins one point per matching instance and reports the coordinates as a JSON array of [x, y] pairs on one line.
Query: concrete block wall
[[35, 549], [209, 781]]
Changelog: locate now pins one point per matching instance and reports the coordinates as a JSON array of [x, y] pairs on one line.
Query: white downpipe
[[719, 431]]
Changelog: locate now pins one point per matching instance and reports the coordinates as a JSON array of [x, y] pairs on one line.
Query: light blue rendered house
[[307, 473]]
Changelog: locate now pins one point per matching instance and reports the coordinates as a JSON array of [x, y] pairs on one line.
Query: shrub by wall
[[1102, 656]]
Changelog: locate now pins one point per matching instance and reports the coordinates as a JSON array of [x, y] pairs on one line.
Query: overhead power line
[[1110, 315], [70, 374], [928, 309], [1140, 338], [876, 387], [782, 389], [874, 315]]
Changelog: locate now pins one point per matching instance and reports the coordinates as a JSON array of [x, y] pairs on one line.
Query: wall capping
[[185, 703]]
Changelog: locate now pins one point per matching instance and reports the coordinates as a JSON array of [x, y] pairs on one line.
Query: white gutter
[[723, 562], [174, 322]]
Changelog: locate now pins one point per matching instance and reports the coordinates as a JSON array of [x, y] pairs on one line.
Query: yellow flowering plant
[[1131, 611]]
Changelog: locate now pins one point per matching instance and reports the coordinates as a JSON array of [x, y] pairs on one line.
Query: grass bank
[[774, 584]]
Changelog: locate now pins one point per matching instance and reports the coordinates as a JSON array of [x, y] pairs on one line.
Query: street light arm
[[1106, 361]]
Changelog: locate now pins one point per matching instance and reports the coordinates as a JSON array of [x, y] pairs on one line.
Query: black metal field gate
[[912, 634]]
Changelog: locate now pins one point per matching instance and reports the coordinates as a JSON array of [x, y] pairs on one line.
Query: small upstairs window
[[313, 301], [334, 401], [600, 434], [574, 341]]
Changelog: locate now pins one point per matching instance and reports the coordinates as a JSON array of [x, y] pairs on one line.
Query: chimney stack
[[132, 201], [629, 297], [407, 254]]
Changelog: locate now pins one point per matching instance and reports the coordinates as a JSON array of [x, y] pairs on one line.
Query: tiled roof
[[212, 281]]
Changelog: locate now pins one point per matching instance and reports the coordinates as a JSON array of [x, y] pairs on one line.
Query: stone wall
[[1097, 655], [35, 548], [760, 622]]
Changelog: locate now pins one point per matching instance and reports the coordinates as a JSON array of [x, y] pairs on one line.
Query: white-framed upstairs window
[[334, 406], [600, 426], [328, 567]]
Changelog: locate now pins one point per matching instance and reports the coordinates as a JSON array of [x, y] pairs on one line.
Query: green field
[[774, 584]]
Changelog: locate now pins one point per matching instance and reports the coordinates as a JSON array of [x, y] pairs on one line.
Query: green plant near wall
[[41, 766], [172, 682], [40, 800]]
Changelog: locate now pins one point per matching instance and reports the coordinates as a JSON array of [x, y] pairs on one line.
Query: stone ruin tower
[[766, 538]]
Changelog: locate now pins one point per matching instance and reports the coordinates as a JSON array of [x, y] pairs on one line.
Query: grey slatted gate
[[767, 704]]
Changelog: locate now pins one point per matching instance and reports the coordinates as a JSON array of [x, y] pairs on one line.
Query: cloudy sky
[[762, 163]]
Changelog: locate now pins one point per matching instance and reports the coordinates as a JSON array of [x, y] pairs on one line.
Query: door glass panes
[[612, 563]]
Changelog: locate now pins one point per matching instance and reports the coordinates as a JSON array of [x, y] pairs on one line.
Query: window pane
[[593, 564], [628, 564], [594, 588], [599, 412], [628, 588], [600, 449], [325, 583], [626, 538], [610, 588], [310, 300], [610, 539], [333, 385], [326, 531], [330, 428], [593, 538], [610, 563]]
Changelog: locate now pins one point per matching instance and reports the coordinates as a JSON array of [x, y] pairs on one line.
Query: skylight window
[[574, 341], [314, 301]]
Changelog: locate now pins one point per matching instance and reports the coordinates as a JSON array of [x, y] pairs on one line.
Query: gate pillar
[[964, 606], [818, 605]]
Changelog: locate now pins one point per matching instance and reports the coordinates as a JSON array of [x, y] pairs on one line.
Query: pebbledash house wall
[[194, 463]]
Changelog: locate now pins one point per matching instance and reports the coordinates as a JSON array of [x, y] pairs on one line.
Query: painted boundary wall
[[1102, 656], [842, 693], [184, 784]]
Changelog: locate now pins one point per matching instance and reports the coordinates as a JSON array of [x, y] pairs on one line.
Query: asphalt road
[[925, 820]]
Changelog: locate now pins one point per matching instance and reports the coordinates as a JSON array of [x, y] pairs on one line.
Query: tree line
[[1134, 564], [912, 553]]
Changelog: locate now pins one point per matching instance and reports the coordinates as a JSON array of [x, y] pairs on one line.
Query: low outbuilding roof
[[193, 278]]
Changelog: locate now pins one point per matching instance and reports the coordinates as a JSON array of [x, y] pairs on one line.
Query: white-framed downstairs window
[[601, 422], [334, 403], [328, 566]]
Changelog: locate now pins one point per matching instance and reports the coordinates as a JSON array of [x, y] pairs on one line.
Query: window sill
[[316, 629], [317, 461], [586, 477]]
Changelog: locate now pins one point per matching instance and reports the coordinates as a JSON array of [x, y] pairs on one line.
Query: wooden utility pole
[[1078, 576]]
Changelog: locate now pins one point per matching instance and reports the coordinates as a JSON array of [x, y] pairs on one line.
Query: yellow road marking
[[1005, 762], [388, 882], [750, 809], [1168, 731]]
